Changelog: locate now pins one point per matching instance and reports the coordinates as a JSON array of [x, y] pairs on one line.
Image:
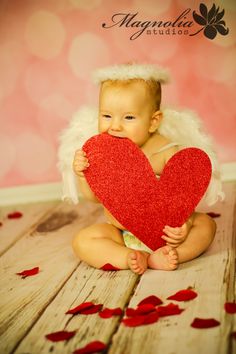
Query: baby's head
[[129, 104]]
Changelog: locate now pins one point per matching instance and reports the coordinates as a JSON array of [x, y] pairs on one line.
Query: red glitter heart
[[122, 178]]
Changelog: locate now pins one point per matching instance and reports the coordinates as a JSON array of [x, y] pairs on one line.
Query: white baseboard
[[228, 171], [53, 191], [30, 194]]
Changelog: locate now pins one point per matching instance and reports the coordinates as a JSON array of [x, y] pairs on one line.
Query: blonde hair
[[153, 88]]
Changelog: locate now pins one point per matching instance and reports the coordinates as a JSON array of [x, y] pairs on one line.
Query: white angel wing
[[185, 128], [82, 126]]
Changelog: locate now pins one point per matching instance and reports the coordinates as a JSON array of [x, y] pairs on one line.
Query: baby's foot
[[137, 261], [164, 258]]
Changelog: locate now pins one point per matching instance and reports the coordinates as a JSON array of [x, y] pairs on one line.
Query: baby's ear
[[155, 121]]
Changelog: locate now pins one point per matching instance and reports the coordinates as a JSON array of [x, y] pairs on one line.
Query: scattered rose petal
[[213, 215], [169, 310], [15, 215], [154, 300], [130, 312], [91, 310], [60, 336], [183, 295], [28, 272], [204, 323], [140, 310], [109, 267], [85, 308], [81, 307], [107, 313], [151, 318], [230, 307], [141, 320], [0, 223], [133, 321], [233, 334], [93, 347]]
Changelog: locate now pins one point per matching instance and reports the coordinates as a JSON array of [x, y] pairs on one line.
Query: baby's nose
[[115, 124]]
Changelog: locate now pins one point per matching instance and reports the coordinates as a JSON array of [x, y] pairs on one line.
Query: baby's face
[[126, 111]]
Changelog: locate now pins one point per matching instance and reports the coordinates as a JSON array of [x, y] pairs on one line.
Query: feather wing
[[82, 126]]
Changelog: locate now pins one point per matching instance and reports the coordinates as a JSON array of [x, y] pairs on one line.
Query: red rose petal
[[85, 308], [93, 347], [204, 323], [60, 336], [230, 307], [28, 272], [213, 215], [130, 312], [91, 310], [79, 308], [183, 295], [141, 320], [1, 224], [133, 321], [233, 334], [107, 313], [151, 318], [154, 300], [169, 310], [140, 310], [109, 267], [15, 215]]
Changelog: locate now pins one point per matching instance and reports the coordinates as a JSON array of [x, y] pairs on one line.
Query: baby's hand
[[176, 235], [80, 163]]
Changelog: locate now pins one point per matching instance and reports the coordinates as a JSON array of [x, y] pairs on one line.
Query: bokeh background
[[49, 48]]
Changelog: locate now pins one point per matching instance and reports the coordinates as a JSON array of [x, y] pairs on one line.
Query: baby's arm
[[79, 165]]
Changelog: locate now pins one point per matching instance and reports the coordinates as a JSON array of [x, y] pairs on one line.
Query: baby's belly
[[110, 218]]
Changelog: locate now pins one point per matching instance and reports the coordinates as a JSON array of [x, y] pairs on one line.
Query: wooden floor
[[32, 307]]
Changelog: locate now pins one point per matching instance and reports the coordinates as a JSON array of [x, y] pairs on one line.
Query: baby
[[130, 108]]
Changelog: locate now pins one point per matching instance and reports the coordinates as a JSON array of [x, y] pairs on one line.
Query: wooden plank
[[211, 275], [22, 301], [112, 289], [11, 230]]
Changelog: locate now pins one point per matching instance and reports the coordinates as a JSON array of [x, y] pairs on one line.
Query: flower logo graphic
[[211, 21]]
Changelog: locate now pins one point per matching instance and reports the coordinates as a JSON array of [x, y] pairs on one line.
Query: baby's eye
[[106, 116], [129, 117]]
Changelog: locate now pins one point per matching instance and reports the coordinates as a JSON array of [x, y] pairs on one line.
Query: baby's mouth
[[116, 135]]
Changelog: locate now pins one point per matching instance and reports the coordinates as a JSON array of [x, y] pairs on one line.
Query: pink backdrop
[[49, 48]]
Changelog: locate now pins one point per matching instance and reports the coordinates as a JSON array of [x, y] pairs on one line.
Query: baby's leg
[[100, 244], [199, 239]]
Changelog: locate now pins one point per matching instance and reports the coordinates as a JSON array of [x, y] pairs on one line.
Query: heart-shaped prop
[[122, 178]]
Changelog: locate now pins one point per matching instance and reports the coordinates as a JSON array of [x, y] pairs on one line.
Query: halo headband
[[131, 71]]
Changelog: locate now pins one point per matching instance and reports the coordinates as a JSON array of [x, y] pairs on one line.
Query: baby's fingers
[[170, 240], [173, 230], [80, 153], [172, 235]]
